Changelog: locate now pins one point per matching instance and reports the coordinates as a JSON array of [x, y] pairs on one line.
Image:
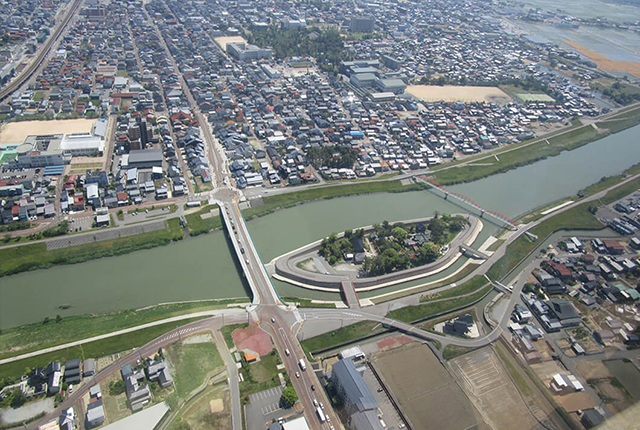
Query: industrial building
[[361, 25], [358, 401], [241, 51]]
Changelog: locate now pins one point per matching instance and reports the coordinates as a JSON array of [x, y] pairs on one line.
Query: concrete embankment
[[287, 270]]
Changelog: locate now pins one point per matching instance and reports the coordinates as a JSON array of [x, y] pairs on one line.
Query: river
[[200, 267]]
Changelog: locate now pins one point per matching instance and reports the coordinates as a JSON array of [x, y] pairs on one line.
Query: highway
[[29, 71]]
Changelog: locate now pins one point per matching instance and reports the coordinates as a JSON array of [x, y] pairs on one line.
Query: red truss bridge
[[466, 200]]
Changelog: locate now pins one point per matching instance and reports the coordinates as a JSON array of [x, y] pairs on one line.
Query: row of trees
[[333, 249], [332, 156], [325, 45], [394, 254]]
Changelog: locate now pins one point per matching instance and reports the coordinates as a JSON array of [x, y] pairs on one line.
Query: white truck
[[320, 415], [303, 366]]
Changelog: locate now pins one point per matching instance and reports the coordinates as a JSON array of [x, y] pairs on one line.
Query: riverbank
[[288, 200], [35, 256], [32, 337]]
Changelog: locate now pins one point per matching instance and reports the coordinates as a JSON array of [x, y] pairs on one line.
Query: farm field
[[488, 386], [424, 389]]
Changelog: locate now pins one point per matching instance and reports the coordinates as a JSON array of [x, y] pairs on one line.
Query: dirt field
[[16, 132], [393, 342], [593, 370], [574, 402], [488, 386], [451, 93], [424, 389], [254, 339], [223, 40]]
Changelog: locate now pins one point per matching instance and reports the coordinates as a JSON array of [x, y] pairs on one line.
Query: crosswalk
[[175, 334]]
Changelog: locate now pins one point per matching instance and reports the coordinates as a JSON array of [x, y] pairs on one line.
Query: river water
[[202, 267]]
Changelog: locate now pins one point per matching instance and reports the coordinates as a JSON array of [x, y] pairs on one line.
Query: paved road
[[234, 383]]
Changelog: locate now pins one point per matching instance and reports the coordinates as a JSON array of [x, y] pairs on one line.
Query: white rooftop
[[146, 419], [297, 424]]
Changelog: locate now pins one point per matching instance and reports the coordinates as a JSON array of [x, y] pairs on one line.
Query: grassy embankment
[[99, 348], [197, 225], [341, 336], [453, 351], [365, 329], [426, 310], [519, 157], [308, 303], [463, 273], [33, 337], [272, 203], [35, 256]]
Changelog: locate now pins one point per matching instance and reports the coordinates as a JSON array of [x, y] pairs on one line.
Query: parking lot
[[264, 407], [388, 412]]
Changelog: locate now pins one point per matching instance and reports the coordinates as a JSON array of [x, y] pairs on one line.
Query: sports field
[[452, 93], [16, 132], [424, 389], [223, 40]]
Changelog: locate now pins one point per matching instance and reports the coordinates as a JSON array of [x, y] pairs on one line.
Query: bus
[[303, 366], [320, 415]]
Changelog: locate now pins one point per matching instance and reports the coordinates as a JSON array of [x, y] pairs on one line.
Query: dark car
[[313, 387]]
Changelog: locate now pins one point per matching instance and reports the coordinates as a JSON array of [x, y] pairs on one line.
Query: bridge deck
[[350, 294], [226, 219], [473, 253]]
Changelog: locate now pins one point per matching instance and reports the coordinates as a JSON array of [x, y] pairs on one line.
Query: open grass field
[[490, 389], [454, 93], [198, 225], [16, 132], [429, 309], [424, 389], [192, 361], [32, 337], [260, 375], [96, 349]]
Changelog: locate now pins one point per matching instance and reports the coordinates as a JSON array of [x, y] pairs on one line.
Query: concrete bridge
[[470, 252]]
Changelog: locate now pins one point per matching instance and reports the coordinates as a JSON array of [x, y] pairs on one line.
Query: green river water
[[202, 267]]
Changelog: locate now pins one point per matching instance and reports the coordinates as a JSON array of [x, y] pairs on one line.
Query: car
[[246, 261], [313, 387], [380, 390], [70, 388], [315, 402], [297, 374], [273, 320], [242, 250], [287, 352], [328, 418], [321, 406]]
